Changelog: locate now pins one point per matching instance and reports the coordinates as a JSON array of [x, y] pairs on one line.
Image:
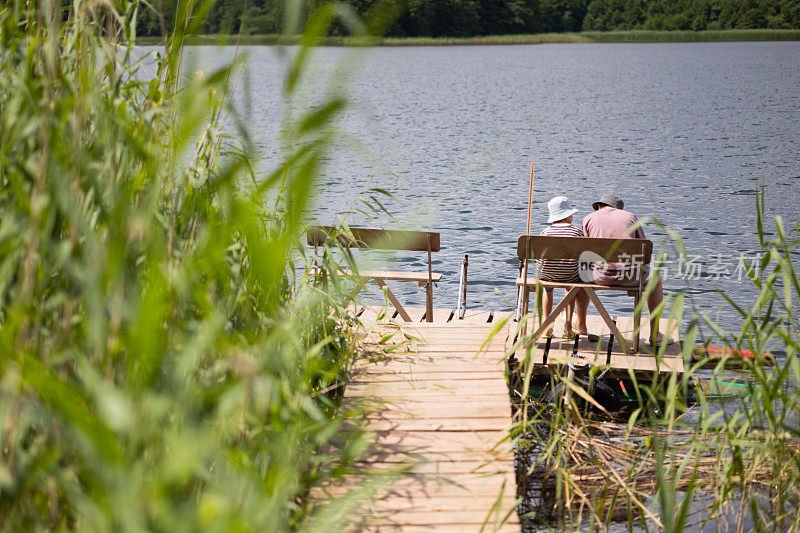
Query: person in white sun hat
[[565, 270]]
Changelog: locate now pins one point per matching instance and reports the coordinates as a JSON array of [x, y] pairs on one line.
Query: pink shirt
[[612, 223]]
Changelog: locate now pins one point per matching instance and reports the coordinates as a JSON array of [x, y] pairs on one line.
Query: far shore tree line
[[465, 18]]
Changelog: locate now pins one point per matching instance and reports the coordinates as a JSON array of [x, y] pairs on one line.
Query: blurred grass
[[630, 36], [161, 367]]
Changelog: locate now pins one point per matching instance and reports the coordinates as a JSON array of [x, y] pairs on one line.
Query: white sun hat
[[560, 208]]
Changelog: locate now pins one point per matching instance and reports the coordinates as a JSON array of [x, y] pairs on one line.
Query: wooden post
[[525, 289], [637, 310], [610, 343], [463, 302], [429, 287]]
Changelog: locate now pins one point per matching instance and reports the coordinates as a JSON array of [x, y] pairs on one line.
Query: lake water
[[684, 133]]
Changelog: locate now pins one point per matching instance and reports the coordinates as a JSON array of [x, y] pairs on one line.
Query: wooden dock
[[438, 409], [561, 350], [443, 410]]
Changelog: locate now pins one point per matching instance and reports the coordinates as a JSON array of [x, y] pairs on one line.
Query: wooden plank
[[385, 239], [455, 484], [494, 359], [429, 376], [440, 528], [393, 275], [442, 502], [438, 353], [612, 250], [456, 328], [442, 467], [455, 344], [417, 423], [619, 361], [597, 326], [399, 385], [475, 386], [421, 405], [454, 341], [455, 325], [445, 440], [471, 521], [393, 456], [450, 396], [434, 366]]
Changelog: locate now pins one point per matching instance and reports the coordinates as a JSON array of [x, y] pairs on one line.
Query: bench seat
[[532, 282], [637, 252], [369, 238], [421, 277]]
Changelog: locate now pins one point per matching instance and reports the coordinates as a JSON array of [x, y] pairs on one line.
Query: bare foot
[[660, 339], [581, 329]]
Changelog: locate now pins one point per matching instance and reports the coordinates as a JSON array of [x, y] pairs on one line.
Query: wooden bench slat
[[389, 275], [532, 282], [613, 250], [384, 239], [402, 276]]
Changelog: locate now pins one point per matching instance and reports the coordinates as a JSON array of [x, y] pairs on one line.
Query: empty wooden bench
[[368, 238], [634, 252]]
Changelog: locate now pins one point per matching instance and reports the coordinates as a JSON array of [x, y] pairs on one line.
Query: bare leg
[[568, 319], [547, 307], [654, 300], [583, 305]]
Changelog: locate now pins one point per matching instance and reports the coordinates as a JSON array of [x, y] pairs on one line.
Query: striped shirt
[[560, 269]]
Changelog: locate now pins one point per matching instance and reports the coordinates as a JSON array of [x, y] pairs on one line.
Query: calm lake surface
[[684, 133]]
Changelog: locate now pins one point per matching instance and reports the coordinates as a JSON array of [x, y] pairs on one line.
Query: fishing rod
[[523, 264]]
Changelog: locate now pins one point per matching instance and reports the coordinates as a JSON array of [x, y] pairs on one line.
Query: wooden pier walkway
[[443, 409], [438, 409]]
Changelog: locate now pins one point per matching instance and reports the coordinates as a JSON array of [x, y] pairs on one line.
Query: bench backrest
[[612, 250], [384, 239]]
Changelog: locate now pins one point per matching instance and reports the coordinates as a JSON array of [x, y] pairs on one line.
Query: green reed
[[162, 367], [737, 466]]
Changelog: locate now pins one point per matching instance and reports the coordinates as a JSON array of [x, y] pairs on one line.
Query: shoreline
[[632, 36]]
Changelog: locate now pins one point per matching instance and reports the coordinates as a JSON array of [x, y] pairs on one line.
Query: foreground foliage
[[160, 367]]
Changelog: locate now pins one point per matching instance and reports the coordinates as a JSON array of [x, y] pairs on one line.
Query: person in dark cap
[[609, 200], [610, 221]]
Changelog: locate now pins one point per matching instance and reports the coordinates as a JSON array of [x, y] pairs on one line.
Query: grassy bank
[[637, 36]]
